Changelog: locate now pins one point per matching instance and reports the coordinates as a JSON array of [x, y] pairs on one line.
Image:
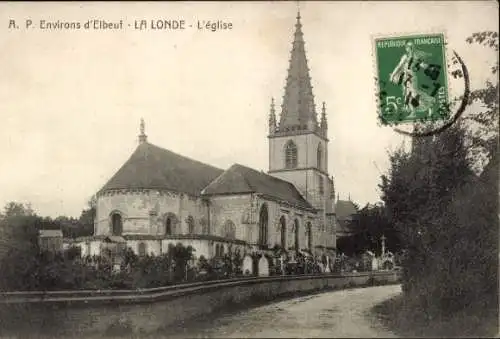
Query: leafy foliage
[[370, 225], [445, 213], [33, 269], [484, 137]]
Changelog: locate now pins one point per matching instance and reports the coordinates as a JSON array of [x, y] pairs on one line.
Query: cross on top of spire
[[142, 136]]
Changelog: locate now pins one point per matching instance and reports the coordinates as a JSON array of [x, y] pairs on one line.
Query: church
[[159, 197]]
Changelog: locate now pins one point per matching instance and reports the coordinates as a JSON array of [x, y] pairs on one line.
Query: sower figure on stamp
[[405, 74]]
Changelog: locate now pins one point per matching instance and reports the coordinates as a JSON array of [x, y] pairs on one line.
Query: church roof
[[345, 209], [151, 166], [242, 179], [298, 107]]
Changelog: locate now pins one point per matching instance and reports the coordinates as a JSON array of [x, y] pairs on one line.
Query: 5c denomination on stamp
[[412, 78]]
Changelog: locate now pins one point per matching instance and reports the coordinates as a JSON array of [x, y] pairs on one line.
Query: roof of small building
[[345, 209], [242, 179], [344, 228], [50, 233], [151, 166]]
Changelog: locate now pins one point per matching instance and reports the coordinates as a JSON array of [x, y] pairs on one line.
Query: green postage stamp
[[411, 78]]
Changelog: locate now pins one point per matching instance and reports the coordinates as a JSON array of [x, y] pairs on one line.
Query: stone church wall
[[145, 211], [202, 247], [152, 246], [244, 211], [236, 208], [275, 212]]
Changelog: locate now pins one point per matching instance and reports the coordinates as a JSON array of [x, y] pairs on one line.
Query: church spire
[[298, 109], [272, 118], [142, 137]]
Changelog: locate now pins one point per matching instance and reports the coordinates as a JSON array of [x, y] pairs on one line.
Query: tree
[[447, 215], [88, 215], [180, 256], [19, 225], [369, 225], [417, 192], [484, 138], [14, 209]]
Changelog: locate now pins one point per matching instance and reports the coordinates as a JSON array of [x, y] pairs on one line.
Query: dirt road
[[328, 315]]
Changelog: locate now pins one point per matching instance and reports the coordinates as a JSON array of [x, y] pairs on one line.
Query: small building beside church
[[159, 197], [50, 240], [346, 215]]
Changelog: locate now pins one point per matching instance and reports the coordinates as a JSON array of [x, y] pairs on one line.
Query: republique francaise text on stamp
[[411, 78]]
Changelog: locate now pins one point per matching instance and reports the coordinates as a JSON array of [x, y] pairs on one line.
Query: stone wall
[[84, 313], [145, 211], [234, 208]]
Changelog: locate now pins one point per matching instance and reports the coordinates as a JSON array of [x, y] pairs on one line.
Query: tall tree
[[87, 218], [484, 134], [417, 191]]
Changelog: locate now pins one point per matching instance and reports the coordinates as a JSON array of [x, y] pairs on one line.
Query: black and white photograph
[[239, 169]]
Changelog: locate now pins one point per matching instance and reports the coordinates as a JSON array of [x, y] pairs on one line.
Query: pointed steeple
[[298, 109], [142, 137], [272, 118], [324, 123]]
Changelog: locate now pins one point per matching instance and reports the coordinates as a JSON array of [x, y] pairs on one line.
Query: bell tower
[[298, 144]]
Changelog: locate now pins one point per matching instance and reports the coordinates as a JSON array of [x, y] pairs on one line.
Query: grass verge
[[405, 319]]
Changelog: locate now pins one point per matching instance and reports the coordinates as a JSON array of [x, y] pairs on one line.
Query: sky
[[71, 100]]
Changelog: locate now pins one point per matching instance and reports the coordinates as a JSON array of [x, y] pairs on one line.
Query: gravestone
[[327, 267], [263, 267], [321, 267], [247, 265]]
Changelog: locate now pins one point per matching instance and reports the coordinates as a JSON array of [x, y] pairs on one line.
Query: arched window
[[319, 156], [229, 230], [283, 231], [142, 249], [168, 226], [321, 184], [263, 225], [204, 226], [219, 250], [290, 155], [296, 234], [116, 224], [190, 224], [309, 236]]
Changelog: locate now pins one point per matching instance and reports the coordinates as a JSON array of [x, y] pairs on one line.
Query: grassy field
[[407, 320]]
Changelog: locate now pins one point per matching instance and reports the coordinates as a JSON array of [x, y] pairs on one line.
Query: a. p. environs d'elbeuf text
[[135, 24]]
